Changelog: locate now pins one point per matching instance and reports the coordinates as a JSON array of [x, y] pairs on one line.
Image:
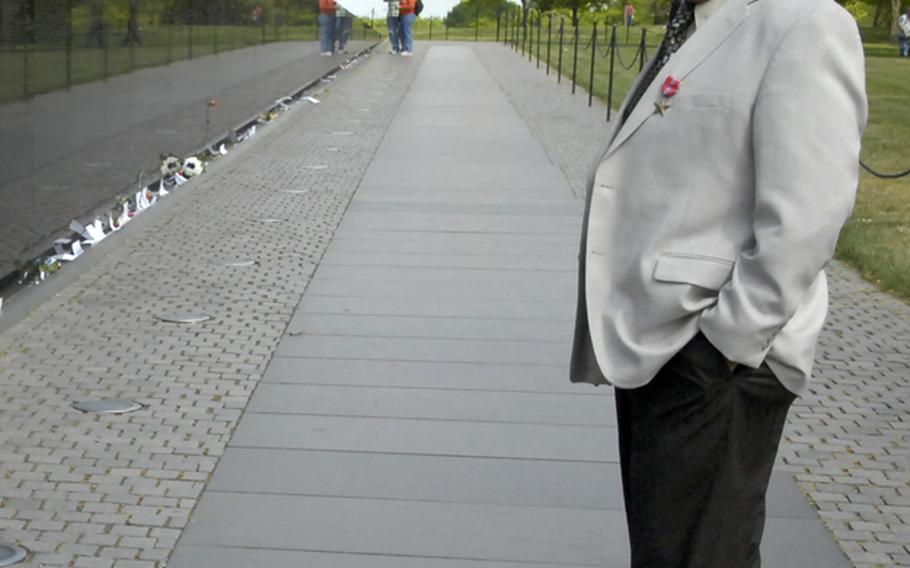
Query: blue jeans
[[394, 33], [407, 32], [343, 28], [326, 33], [904, 43]]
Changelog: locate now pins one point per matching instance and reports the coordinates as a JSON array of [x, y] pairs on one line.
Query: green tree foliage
[[198, 12], [466, 11], [573, 6]]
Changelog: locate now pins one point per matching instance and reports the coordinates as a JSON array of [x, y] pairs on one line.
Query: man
[[407, 15], [708, 224], [394, 23], [630, 14], [327, 9], [344, 26], [903, 33]]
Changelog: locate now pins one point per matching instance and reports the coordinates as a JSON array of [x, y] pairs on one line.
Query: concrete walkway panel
[[428, 437], [421, 374]]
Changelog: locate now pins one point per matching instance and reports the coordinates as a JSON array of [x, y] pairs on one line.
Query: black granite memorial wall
[[94, 91]]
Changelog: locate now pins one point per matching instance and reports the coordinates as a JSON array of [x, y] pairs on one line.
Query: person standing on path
[[903, 33], [630, 14], [708, 223], [407, 14], [327, 27], [393, 20], [344, 27]]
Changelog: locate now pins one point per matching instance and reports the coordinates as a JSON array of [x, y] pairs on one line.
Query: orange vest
[[327, 7], [407, 6]]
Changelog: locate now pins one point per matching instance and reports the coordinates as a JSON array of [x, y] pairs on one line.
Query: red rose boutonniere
[[667, 90], [670, 86]]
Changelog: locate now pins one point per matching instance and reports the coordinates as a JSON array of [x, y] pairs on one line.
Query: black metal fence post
[[476, 22], [643, 48], [431, 29], [530, 26], [107, 48], [516, 17], [26, 64], [612, 63], [549, 39], [69, 44], [562, 23], [170, 38], [575, 57], [593, 58], [189, 35], [539, 16], [498, 14], [132, 52], [505, 29], [526, 27]]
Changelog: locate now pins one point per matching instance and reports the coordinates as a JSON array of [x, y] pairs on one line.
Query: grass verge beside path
[[876, 239]]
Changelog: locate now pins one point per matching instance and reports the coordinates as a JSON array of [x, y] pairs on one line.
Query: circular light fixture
[[236, 263], [11, 554], [184, 317], [107, 406]]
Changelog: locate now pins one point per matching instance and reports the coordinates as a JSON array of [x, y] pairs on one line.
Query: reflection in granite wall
[[93, 91]]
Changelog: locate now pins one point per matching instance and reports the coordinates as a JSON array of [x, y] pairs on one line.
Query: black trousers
[[697, 445]]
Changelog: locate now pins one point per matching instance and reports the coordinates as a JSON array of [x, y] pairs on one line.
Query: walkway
[[417, 412], [387, 387]]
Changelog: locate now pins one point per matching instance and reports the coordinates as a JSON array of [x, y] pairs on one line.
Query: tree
[[132, 25], [202, 12], [464, 13], [574, 6]]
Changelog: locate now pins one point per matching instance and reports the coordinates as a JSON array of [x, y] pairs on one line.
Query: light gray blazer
[[720, 214]]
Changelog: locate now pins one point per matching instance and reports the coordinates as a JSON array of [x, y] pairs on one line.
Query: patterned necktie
[[677, 33]]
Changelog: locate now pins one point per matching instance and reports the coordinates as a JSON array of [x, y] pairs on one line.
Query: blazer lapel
[[692, 53]]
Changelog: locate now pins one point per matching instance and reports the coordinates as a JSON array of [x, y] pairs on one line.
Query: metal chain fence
[[518, 24]]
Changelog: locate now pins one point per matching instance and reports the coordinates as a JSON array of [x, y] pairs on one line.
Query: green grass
[[876, 239]]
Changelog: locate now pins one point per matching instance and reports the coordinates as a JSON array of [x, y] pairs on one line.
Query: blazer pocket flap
[[704, 271]]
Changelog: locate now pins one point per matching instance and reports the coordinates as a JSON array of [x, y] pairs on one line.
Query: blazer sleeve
[[808, 119]]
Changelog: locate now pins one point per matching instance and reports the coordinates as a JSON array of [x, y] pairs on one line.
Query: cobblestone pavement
[[846, 439], [107, 491]]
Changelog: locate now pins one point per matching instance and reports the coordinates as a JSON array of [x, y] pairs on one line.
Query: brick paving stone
[[846, 438]]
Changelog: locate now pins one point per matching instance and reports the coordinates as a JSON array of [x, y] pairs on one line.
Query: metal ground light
[[11, 554]]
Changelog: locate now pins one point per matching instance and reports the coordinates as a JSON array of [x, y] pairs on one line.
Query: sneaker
[[326, 53], [407, 53], [393, 52]]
